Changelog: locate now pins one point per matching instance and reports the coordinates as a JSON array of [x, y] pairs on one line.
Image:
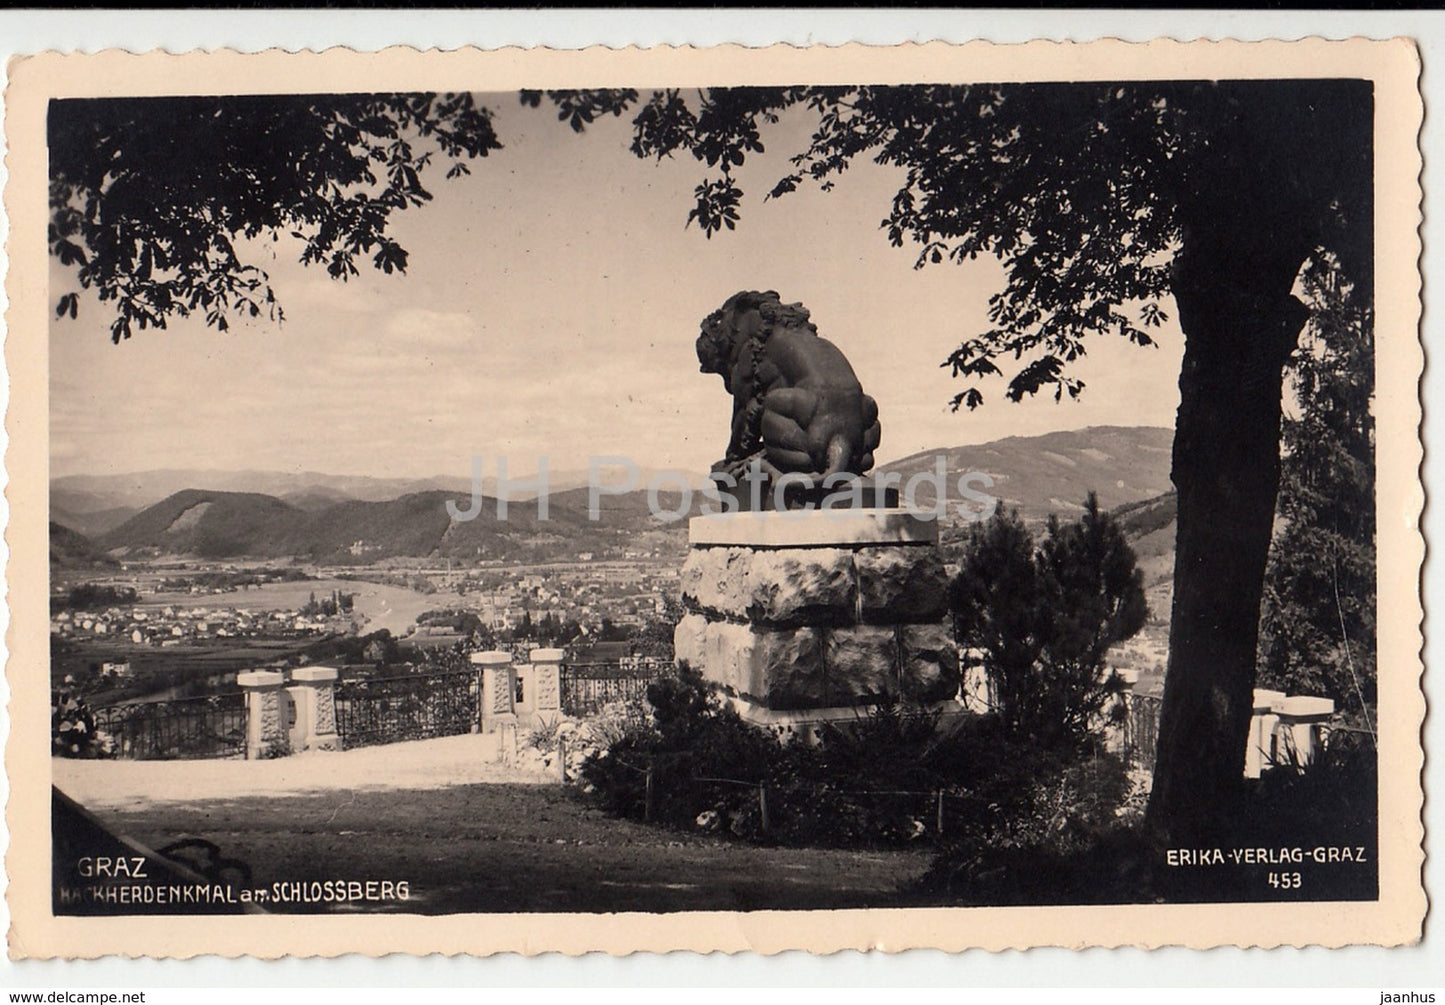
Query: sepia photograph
[[832, 501]]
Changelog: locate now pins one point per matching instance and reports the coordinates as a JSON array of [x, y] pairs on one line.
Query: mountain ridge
[[1036, 475], [1053, 472], [83, 495], [224, 525]]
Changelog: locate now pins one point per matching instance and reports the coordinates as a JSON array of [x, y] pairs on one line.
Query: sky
[[549, 309]]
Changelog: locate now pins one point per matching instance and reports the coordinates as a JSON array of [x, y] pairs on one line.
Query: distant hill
[[70, 549], [93, 523], [209, 524], [80, 496], [89, 493], [1150, 525], [69, 499], [1128, 467], [213, 525], [315, 498], [1053, 473]]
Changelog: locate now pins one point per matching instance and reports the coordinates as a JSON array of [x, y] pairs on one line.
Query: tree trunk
[[1240, 323]]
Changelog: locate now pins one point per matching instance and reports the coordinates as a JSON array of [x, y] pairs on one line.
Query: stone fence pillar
[[1119, 733], [977, 693], [312, 689], [265, 727], [1300, 720], [1259, 754], [499, 682], [546, 697]]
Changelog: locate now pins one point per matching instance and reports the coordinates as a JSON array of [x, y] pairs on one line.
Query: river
[[394, 608]]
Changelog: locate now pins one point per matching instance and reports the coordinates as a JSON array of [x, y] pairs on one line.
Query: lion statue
[[797, 405]]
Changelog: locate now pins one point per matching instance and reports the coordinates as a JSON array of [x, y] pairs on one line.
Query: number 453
[[1284, 880]]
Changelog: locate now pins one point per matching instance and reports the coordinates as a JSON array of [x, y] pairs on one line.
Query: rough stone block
[[775, 668], [797, 586], [715, 580], [862, 664], [689, 640], [791, 587], [783, 669], [899, 585], [929, 662], [729, 652], [812, 528]]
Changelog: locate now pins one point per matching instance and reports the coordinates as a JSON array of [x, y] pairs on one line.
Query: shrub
[[544, 737], [1033, 813], [888, 778], [276, 749], [1332, 801], [694, 747], [578, 740], [1059, 843], [615, 720], [73, 732]]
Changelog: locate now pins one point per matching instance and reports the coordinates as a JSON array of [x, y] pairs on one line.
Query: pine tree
[[996, 611], [1318, 620], [1043, 618], [1093, 593]]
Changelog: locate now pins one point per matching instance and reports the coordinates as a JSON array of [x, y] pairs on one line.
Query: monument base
[[808, 724], [759, 493], [807, 617]]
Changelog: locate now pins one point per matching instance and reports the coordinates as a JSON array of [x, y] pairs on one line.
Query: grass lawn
[[500, 848]]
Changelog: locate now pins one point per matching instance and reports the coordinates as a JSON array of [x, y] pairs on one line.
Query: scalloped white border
[[1395, 919]]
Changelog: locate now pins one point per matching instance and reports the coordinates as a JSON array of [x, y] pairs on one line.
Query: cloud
[[303, 289], [433, 329]]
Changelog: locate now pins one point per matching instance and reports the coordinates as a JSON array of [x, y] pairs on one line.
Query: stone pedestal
[[812, 616], [758, 493], [312, 692], [266, 725], [499, 689], [1301, 718], [1260, 752]]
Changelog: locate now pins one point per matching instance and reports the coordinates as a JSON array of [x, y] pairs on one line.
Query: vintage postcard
[[715, 499]]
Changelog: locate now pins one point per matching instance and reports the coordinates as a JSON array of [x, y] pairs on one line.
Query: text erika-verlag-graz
[[1321, 855]]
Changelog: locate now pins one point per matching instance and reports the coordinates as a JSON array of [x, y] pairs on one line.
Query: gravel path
[[464, 833], [420, 764], [502, 848]]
